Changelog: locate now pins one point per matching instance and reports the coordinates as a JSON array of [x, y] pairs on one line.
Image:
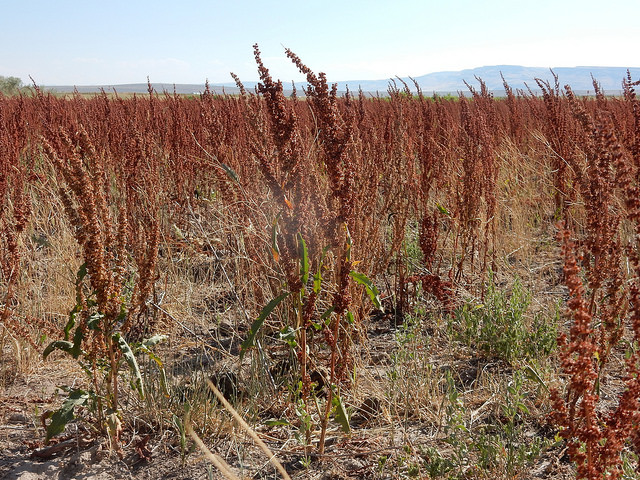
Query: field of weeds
[[322, 286]]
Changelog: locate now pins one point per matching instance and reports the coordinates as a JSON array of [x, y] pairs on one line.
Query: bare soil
[[385, 438]]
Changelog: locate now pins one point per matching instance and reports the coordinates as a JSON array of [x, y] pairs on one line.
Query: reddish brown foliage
[[370, 178]]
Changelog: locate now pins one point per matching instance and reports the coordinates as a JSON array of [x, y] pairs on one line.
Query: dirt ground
[[380, 446]]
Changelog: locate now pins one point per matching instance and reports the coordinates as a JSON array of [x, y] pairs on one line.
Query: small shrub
[[502, 329]]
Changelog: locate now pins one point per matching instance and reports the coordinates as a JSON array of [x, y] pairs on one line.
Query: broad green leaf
[[130, 358], [63, 345], [78, 337], [257, 324], [156, 339], [304, 260], [317, 282], [371, 289], [93, 322], [340, 414], [64, 414]]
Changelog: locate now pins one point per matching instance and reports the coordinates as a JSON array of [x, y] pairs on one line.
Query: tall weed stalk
[[112, 285]]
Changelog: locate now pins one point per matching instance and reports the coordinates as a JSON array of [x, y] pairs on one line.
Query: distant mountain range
[[518, 78]]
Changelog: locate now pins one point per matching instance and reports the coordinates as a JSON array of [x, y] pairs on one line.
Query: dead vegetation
[[375, 284]]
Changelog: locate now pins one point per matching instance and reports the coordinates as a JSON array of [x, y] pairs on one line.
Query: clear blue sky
[[187, 41]]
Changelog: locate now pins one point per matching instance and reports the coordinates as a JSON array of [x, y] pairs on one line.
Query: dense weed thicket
[[329, 211]]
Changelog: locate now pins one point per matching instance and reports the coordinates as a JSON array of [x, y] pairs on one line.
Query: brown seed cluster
[[406, 189]]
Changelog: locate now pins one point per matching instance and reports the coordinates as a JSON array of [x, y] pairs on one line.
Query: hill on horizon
[[518, 78]]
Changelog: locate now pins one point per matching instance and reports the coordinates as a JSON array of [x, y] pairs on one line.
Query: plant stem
[[303, 366], [327, 410]]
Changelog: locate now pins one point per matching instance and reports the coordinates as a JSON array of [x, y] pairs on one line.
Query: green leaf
[[64, 414], [93, 322], [288, 335], [531, 374], [72, 320], [164, 383], [317, 282], [304, 260], [443, 210], [230, 172], [327, 314], [163, 375], [523, 408], [130, 358], [82, 272], [276, 422], [122, 316], [177, 232], [63, 345], [145, 347], [340, 414], [371, 289], [257, 324], [156, 339], [150, 354], [350, 318], [317, 278], [78, 336]]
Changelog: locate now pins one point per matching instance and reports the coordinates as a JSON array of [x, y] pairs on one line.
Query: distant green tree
[[10, 85]]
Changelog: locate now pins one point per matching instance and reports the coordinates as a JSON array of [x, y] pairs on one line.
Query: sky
[[66, 42]]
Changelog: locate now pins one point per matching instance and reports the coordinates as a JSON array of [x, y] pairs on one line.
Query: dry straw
[[217, 460]]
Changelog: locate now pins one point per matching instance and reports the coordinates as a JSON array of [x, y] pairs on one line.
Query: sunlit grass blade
[[257, 324], [371, 289], [304, 260]]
